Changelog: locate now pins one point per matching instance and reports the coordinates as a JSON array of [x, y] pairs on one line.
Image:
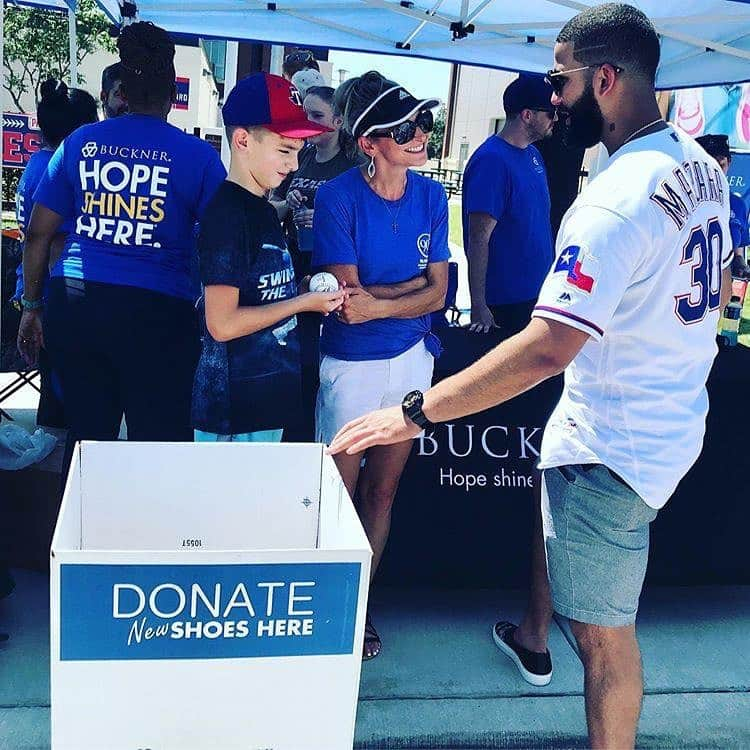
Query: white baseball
[[324, 282]]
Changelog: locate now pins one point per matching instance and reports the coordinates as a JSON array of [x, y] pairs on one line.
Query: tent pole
[[275, 66], [230, 79], [2, 139], [73, 43]]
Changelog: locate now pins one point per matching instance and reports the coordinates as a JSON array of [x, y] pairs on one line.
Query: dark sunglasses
[[558, 80], [549, 112], [405, 131], [301, 56]]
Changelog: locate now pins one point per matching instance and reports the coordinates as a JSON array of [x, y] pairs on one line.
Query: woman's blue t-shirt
[[353, 225], [27, 185], [134, 187]]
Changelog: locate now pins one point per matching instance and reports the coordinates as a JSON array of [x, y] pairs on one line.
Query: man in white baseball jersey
[[629, 311]]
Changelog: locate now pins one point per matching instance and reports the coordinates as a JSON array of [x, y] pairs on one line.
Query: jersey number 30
[[703, 251]]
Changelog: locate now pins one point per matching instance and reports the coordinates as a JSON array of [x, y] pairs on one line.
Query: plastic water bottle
[[730, 322]]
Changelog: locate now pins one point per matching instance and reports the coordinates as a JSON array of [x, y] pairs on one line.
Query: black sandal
[[371, 638]]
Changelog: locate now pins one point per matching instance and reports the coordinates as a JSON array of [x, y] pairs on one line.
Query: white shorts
[[352, 389]]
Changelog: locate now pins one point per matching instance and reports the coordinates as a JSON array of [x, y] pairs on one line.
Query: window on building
[[463, 155], [216, 50]]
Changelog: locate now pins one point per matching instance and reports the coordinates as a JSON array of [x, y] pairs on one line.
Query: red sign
[[21, 138]]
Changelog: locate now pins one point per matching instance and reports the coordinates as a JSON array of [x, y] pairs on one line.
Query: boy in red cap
[[247, 383]]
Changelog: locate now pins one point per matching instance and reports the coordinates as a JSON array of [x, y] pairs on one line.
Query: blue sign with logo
[[124, 612]]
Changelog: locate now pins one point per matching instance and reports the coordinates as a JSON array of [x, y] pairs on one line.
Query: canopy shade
[[703, 41]]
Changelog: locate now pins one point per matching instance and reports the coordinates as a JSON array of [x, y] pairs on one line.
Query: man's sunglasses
[[558, 78], [405, 131], [300, 56], [549, 112]]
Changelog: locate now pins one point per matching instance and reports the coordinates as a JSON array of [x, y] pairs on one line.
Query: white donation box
[[206, 596]]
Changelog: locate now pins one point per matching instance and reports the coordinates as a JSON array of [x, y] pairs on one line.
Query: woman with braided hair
[[120, 325]]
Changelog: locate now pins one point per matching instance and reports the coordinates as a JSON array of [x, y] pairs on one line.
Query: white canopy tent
[[703, 41]]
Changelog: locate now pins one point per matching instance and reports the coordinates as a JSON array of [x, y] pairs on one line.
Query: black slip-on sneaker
[[534, 667]]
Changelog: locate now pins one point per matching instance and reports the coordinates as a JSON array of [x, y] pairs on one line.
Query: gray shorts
[[596, 531]]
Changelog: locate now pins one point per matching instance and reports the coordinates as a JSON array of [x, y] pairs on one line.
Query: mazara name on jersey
[[694, 182]]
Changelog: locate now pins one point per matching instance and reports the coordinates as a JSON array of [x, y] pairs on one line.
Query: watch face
[[412, 399]]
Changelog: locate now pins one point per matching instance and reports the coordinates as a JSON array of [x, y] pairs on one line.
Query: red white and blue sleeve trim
[[568, 318]]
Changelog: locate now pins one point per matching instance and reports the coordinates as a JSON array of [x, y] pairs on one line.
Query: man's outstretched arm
[[543, 349]]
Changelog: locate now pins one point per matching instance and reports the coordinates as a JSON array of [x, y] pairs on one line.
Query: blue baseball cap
[[528, 92], [269, 101]]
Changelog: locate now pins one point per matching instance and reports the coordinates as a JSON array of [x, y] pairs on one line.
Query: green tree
[[36, 45], [435, 144]]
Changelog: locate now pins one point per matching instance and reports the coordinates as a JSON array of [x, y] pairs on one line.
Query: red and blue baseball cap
[[269, 101]]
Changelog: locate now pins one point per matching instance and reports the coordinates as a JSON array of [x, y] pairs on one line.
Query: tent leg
[[73, 45], [230, 79], [277, 59]]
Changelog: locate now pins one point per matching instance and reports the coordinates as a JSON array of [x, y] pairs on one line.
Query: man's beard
[[583, 121]]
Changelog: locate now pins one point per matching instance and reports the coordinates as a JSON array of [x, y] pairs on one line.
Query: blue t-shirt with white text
[[134, 187], [510, 184], [353, 225]]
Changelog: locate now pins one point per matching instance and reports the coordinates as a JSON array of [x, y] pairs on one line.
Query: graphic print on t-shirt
[[276, 285], [124, 192]]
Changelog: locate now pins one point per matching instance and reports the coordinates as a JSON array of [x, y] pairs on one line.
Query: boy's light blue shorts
[[596, 532]]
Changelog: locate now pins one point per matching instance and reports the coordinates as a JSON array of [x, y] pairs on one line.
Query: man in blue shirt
[[506, 211], [508, 241], [718, 147]]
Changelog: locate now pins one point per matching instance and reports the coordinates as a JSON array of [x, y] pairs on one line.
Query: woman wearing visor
[[382, 230]]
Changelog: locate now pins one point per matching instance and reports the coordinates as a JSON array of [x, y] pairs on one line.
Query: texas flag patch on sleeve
[[569, 262]]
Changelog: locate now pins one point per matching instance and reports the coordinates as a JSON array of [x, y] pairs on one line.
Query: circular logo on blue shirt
[[89, 149]]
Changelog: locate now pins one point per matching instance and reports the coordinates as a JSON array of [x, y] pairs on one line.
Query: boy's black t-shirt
[[253, 382]]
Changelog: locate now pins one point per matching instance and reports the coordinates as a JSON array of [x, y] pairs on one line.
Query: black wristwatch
[[412, 408]]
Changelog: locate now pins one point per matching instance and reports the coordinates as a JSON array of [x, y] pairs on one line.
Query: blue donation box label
[[124, 612]]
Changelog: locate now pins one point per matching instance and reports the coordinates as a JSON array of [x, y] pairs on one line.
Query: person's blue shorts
[[262, 436], [596, 532]]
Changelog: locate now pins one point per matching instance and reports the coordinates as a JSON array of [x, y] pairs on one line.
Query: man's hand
[[30, 338], [383, 427], [481, 319], [360, 307]]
